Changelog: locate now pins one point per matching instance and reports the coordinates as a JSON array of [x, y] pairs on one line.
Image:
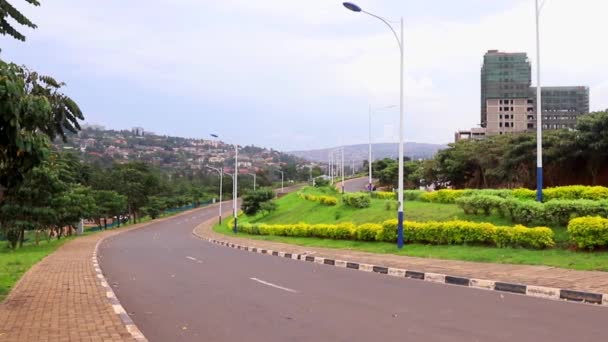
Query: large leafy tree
[[109, 204], [32, 112], [9, 11], [137, 182]]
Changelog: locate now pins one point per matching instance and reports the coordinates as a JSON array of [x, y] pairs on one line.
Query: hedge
[[572, 192], [440, 233], [384, 195], [409, 195], [357, 200], [556, 211], [589, 232], [325, 200]]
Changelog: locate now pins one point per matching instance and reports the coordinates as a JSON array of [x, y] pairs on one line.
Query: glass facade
[[504, 76]]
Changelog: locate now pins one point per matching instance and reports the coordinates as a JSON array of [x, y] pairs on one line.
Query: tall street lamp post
[[221, 173], [539, 105], [234, 184], [400, 42], [282, 177]]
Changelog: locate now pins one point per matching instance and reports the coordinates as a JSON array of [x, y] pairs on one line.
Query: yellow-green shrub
[[589, 232], [323, 199], [442, 196], [432, 232], [357, 200], [384, 195]]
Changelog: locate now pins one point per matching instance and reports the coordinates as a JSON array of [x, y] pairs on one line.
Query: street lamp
[[234, 184], [539, 105], [400, 42], [342, 169], [221, 173], [282, 176], [254, 176], [369, 160]]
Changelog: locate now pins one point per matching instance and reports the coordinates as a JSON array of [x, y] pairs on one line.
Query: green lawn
[[14, 263], [587, 261], [292, 209]]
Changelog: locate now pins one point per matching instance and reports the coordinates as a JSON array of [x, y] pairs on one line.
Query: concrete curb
[[113, 300], [526, 290]]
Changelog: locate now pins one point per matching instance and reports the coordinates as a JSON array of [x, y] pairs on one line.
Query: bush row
[[357, 200], [409, 195], [440, 233], [325, 200], [571, 192], [555, 211], [589, 232]]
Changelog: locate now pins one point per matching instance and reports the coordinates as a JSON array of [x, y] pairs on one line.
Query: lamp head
[[352, 6]]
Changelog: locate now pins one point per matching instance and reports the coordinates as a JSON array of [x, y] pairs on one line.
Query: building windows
[[500, 116], [530, 126], [500, 124]]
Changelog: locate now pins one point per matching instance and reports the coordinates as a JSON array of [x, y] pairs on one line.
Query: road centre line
[[274, 285]]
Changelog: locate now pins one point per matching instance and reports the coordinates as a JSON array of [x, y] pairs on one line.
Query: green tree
[[9, 11], [109, 204], [253, 201], [136, 181], [592, 139], [33, 111]]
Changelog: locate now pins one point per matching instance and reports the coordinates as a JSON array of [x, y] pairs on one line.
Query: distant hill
[[359, 153]]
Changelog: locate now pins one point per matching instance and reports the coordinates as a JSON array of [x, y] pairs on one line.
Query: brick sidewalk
[[591, 281], [61, 299]]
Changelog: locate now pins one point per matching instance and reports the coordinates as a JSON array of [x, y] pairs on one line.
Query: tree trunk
[[105, 223], [37, 236], [21, 237]]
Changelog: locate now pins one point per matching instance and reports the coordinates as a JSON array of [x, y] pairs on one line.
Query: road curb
[[500, 286], [113, 300], [110, 295]]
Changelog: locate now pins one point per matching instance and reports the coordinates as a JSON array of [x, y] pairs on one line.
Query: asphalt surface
[[177, 287], [356, 184]]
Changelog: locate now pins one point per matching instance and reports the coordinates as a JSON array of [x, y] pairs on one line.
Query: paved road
[[356, 184], [179, 288]]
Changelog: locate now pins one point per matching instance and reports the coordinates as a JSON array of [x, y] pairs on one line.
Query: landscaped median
[[431, 232], [438, 229]]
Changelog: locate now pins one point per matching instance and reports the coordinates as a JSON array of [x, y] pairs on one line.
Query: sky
[[296, 75]]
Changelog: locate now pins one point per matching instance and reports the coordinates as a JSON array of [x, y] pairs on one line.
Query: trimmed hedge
[[357, 200], [556, 211], [325, 200], [384, 195], [572, 192], [589, 232], [440, 233], [443, 196], [409, 195]]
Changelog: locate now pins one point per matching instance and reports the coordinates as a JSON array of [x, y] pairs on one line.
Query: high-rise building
[[562, 105], [508, 102], [138, 131], [504, 76]]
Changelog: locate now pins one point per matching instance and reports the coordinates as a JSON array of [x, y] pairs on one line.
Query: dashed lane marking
[[274, 285]]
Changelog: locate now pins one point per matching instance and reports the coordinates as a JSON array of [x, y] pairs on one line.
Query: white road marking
[[273, 285], [191, 258]]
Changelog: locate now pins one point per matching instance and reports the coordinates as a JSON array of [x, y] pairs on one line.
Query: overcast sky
[[295, 74]]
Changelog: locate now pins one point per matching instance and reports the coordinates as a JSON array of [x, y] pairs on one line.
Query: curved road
[[356, 184], [177, 287]]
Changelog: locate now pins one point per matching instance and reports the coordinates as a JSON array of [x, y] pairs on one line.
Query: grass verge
[[292, 209], [14, 263], [584, 261]]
